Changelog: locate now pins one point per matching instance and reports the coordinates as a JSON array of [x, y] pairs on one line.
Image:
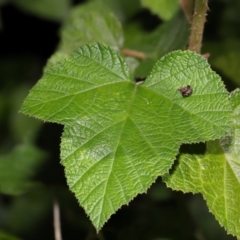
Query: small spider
[[186, 91]]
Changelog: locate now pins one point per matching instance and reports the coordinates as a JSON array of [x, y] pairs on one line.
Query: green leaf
[[51, 9], [165, 9], [123, 9], [215, 174], [120, 136], [88, 23], [17, 167]]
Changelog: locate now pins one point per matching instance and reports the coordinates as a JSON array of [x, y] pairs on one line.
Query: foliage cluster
[[116, 84]]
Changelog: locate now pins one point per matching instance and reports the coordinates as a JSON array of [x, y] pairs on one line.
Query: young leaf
[[51, 9], [215, 174], [120, 136], [123, 9], [160, 41], [157, 43], [165, 9], [88, 23]]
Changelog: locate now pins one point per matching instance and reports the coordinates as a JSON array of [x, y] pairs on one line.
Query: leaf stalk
[[132, 53]]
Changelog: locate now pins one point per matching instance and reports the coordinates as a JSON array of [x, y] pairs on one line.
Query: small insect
[[186, 91]]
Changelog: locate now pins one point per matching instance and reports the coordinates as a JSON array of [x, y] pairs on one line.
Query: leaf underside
[[120, 136]]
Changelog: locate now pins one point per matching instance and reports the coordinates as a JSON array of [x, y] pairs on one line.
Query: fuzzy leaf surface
[[215, 174], [120, 136]]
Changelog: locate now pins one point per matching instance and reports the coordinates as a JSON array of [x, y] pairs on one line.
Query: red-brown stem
[[187, 7], [132, 53]]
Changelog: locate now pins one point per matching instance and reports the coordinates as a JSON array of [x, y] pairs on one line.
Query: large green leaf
[[120, 136], [215, 174]]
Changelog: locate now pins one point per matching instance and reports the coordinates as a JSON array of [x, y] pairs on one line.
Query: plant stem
[[187, 7], [132, 53], [199, 18], [56, 220]]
